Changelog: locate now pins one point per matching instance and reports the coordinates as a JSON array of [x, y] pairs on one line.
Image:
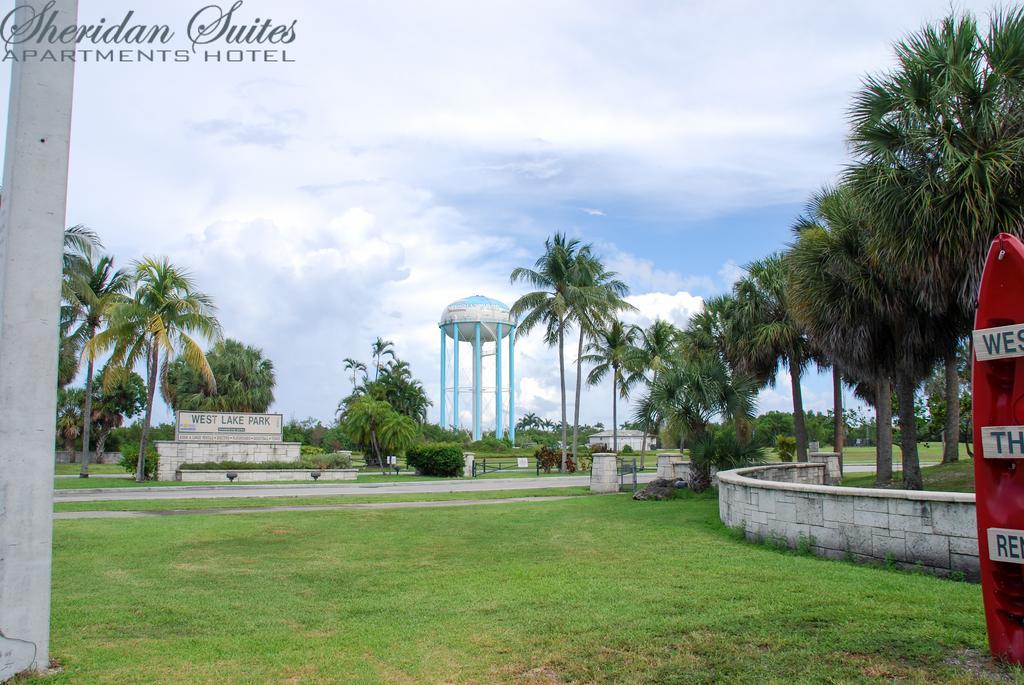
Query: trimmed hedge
[[438, 459], [318, 461]]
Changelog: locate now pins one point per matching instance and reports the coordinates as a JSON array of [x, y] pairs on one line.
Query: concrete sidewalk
[[322, 490], [307, 507]]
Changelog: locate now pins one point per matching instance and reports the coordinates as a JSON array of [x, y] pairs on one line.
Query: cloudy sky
[[414, 153]]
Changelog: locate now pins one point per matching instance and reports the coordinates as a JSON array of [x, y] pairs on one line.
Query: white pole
[[32, 215]]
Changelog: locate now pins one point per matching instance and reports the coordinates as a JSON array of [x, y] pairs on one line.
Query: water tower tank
[[484, 323]]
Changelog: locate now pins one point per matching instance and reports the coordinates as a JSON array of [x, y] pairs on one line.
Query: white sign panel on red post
[[1005, 544], [1002, 342], [209, 426], [1002, 442]]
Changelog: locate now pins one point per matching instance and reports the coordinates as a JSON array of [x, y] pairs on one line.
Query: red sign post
[[998, 403]]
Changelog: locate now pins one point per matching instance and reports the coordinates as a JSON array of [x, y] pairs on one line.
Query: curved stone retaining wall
[[936, 531]]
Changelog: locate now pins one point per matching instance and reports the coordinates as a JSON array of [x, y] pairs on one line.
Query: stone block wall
[[604, 473], [65, 457], [173, 454], [936, 531]]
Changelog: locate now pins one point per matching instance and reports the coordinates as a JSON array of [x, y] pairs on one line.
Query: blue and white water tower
[[485, 324]]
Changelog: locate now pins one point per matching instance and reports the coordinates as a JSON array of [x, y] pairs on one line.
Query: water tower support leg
[[477, 394], [443, 419], [512, 385], [455, 378], [498, 431]]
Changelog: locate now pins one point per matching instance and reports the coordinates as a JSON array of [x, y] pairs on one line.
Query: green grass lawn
[[588, 590], [956, 477], [74, 469], [247, 502], [926, 451]]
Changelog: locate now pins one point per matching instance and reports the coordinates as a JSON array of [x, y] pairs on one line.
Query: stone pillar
[[833, 474], [32, 216], [467, 464], [665, 469], [604, 473]]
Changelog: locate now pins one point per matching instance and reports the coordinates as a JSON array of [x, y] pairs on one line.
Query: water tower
[[483, 323]]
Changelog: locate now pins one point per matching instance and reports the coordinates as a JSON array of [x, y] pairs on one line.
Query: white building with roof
[[633, 438]]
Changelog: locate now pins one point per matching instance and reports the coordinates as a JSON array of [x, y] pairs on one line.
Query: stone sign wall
[[173, 454]]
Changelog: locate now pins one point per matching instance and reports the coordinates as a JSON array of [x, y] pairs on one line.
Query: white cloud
[[675, 308]]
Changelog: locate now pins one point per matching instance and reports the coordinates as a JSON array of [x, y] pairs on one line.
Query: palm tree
[[381, 348], [158, 323], [98, 288], [376, 424], [599, 299], [846, 303], [528, 421], [69, 417], [772, 334], [404, 393], [79, 245], [692, 392], [656, 346], [354, 366], [938, 143], [614, 351], [114, 401], [244, 381], [555, 278]]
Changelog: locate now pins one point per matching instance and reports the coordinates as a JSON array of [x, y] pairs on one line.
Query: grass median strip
[[243, 502]]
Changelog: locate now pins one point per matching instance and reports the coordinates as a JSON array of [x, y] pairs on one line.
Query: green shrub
[[626, 449], [549, 458], [310, 449], [130, 458], [785, 446], [327, 460], [438, 459]]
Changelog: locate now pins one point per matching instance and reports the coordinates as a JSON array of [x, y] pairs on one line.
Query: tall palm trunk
[[905, 388], [837, 409], [153, 364], [883, 431], [579, 390], [561, 376], [87, 415], [951, 434], [799, 424], [615, 411]]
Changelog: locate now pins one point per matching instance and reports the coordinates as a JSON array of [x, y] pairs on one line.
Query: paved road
[[308, 507], [322, 490], [343, 489]]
